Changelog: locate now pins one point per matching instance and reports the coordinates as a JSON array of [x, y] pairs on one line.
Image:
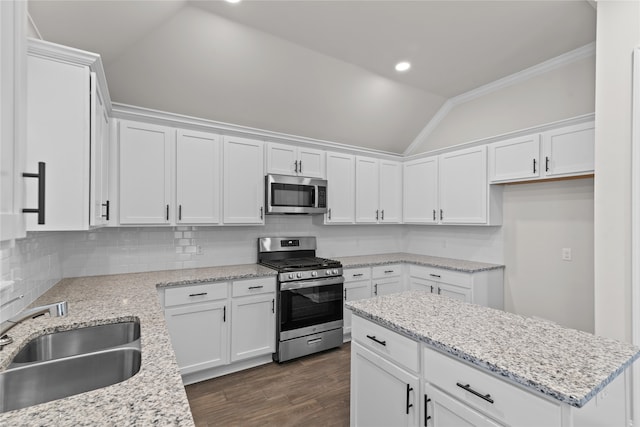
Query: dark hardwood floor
[[310, 391]]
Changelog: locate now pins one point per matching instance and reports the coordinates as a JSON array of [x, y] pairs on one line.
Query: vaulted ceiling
[[318, 69]]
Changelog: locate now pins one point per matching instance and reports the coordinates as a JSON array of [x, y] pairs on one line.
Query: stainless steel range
[[309, 297]]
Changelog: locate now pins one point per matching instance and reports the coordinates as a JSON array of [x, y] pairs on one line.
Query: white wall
[[618, 33], [540, 219], [555, 95]]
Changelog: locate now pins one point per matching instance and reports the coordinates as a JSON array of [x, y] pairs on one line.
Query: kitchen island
[[155, 395], [557, 369]]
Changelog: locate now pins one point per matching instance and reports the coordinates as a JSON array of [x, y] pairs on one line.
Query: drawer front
[[457, 278], [382, 271], [263, 285], [195, 293], [355, 274], [395, 347], [511, 405]]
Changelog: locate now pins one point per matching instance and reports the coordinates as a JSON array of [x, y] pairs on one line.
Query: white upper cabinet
[[340, 188], [285, 159], [563, 152], [420, 191], [463, 186], [569, 150], [515, 159], [145, 173], [58, 135], [378, 190], [100, 212], [198, 177], [243, 181]]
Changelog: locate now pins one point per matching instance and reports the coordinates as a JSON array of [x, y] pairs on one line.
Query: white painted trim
[[34, 26], [515, 78], [635, 227], [59, 52], [163, 118]]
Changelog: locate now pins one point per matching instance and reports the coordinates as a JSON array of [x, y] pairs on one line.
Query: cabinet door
[[100, 142], [455, 292], [340, 191], [58, 112], [387, 286], [441, 410], [382, 394], [354, 291], [367, 210], [145, 173], [417, 283], [463, 186], [311, 162], [569, 150], [420, 191], [199, 335], [390, 192], [253, 326], [13, 113], [198, 175], [243, 181], [514, 159], [282, 159]]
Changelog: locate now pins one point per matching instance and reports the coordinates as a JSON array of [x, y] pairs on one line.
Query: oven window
[[300, 308], [292, 195]]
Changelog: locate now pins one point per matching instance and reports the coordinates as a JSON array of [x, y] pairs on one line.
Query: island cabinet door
[[382, 394], [440, 410]]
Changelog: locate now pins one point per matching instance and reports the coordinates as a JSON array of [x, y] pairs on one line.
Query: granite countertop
[[568, 365], [155, 395], [425, 260]]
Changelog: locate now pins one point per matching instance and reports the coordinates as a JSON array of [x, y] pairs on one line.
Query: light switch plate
[[566, 254]]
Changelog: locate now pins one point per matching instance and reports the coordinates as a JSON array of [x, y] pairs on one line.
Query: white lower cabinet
[[357, 285], [382, 393], [441, 410], [222, 327], [386, 279]]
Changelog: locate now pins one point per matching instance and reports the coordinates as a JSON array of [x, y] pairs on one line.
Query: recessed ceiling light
[[403, 66], [233, 1]]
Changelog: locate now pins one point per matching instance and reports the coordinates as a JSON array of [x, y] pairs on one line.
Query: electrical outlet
[[566, 254]]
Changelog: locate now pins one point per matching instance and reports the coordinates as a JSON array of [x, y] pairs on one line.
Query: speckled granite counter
[[155, 395], [426, 260], [565, 364]]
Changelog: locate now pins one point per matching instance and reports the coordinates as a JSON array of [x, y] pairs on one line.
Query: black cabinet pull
[[434, 214], [534, 165], [382, 215], [409, 405], [273, 305], [198, 294], [179, 212], [427, 417], [377, 214], [434, 275], [296, 166], [167, 212], [358, 275], [256, 287], [546, 164], [224, 313], [375, 289], [300, 163], [345, 294], [41, 189], [261, 213], [106, 205], [329, 213], [468, 388], [388, 271], [373, 337], [441, 215]]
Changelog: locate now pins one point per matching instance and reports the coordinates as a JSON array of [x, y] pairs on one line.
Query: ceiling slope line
[[515, 78]]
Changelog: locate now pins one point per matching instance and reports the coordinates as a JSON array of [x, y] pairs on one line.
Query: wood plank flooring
[[310, 391]]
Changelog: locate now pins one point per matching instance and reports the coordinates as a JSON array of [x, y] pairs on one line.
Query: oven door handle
[[288, 286]]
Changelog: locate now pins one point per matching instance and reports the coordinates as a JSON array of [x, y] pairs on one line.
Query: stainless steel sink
[[54, 379], [65, 363], [77, 341]]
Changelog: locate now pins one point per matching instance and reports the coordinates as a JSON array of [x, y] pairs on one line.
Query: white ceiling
[[320, 69]]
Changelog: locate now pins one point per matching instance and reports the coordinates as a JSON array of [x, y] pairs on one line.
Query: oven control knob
[[314, 273], [335, 271], [298, 275], [328, 272], [290, 275]]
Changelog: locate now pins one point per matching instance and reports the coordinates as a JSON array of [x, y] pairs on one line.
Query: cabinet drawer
[[382, 271], [355, 274], [457, 278], [511, 405], [392, 345], [253, 287], [195, 293]]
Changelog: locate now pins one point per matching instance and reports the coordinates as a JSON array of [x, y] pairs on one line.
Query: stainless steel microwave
[[295, 195]]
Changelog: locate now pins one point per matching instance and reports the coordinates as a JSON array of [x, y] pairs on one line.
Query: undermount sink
[[77, 341], [66, 363]]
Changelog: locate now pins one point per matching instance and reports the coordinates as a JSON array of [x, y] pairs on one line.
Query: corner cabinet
[[378, 191], [420, 191], [243, 181]]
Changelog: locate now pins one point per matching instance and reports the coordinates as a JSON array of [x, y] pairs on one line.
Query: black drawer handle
[[41, 190], [427, 417], [358, 275], [198, 295], [409, 405], [468, 388], [106, 205], [377, 340], [388, 271], [256, 287], [435, 275]]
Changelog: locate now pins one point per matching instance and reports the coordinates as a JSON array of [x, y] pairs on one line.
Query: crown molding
[[515, 78]]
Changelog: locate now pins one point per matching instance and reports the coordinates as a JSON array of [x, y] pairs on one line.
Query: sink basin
[[77, 341], [49, 380]]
